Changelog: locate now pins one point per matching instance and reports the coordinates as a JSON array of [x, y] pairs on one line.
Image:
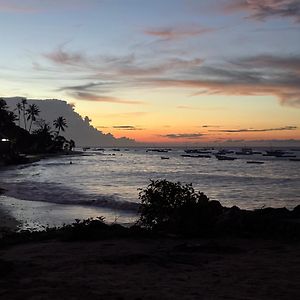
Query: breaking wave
[[56, 193]]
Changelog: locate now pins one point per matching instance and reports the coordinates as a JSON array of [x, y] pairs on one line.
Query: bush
[[174, 207]]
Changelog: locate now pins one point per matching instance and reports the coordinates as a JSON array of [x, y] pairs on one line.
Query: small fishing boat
[[255, 162], [165, 157], [196, 156], [223, 157]]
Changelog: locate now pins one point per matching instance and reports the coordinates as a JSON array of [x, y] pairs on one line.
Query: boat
[[196, 156], [244, 151], [158, 150], [294, 159], [196, 151], [255, 162], [276, 153], [224, 151], [223, 157], [165, 157]]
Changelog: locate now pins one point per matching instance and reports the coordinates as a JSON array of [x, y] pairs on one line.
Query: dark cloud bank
[[79, 129]]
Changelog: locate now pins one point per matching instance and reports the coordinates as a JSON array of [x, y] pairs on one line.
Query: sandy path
[[151, 269]]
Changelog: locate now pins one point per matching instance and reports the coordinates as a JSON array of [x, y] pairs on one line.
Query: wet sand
[[39, 214], [161, 268]]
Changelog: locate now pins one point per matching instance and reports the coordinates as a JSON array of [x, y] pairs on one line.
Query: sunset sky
[[165, 71]]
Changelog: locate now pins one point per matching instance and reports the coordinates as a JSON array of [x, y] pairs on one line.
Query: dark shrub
[[174, 207]]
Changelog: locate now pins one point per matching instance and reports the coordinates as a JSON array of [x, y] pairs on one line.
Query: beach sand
[[162, 268]]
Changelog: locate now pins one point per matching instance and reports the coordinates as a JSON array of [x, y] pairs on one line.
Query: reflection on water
[[95, 178]]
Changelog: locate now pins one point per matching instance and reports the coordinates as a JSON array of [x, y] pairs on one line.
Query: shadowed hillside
[[79, 129]]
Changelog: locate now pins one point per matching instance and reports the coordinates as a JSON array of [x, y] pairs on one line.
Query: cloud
[[100, 98], [291, 63], [183, 135], [158, 69], [81, 87], [35, 6], [264, 9], [129, 115], [236, 78], [118, 67], [102, 127], [62, 57], [127, 127], [257, 130], [10, 7], [258, 75], [173, 33]]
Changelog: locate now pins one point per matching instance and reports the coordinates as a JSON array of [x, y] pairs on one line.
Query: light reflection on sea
[[101, 178]]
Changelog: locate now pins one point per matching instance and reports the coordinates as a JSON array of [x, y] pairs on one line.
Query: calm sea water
[[111, 179]]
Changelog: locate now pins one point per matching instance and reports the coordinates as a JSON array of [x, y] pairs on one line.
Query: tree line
[[29, 134]]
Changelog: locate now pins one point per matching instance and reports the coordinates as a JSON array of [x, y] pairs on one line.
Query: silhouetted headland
[[25, 138]]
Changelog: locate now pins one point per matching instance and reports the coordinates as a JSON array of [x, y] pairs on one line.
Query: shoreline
[[32, 158], [38, 215]]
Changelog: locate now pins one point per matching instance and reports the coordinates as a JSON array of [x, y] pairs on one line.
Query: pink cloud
[[10, 7], [172, 33], [263, 9], [85, 96]]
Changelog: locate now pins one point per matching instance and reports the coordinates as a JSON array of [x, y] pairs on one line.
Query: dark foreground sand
[[161, 268]]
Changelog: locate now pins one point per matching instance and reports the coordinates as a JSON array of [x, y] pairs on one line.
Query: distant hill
[[78, 129]]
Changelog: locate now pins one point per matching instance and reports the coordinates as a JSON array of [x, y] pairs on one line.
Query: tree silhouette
[[60, 124], [32, 112], [43, 136], [19, 109], [3, 105], [7, 118], [24, 105], [72, 145]]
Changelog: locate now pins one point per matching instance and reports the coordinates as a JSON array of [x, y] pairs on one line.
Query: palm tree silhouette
[[32, 112], [19, 109], [24, 104], [60, 124]]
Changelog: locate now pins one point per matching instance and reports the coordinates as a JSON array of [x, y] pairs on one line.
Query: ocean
[[106, 183]]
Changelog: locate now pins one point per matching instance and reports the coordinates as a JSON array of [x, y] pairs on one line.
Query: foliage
[[175, 207], [7, 118], [24, 109], [60, 124], [22, 140], [32, 112]]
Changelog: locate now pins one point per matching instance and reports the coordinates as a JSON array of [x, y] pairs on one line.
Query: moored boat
[[223, 157]]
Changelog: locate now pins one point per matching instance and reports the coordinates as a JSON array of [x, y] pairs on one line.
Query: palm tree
[[60, 124], [24, 104], [32, 112], [19, 108]]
